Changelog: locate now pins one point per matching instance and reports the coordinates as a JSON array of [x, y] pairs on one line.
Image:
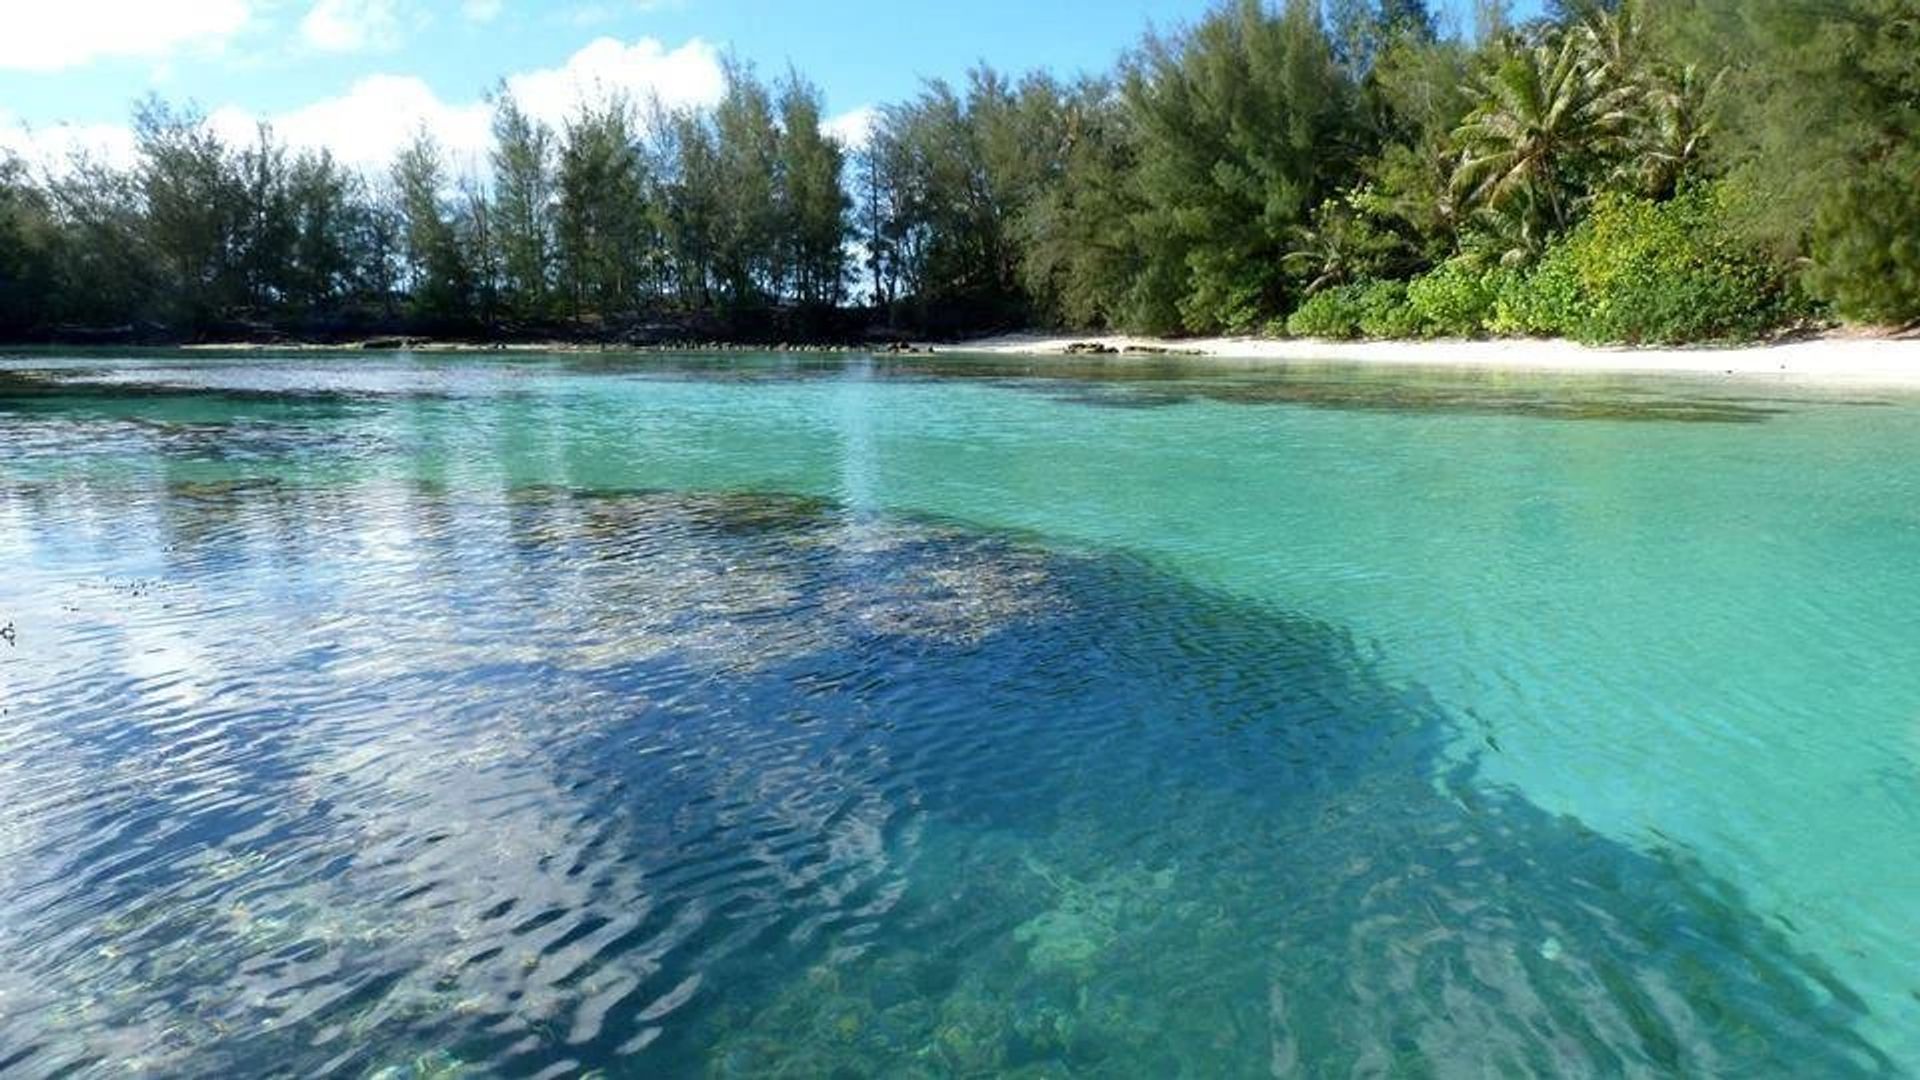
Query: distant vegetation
[[1642, 171]]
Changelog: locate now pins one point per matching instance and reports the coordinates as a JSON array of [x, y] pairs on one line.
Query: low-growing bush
[[1374, 309], [1641, 271], [1454, 299], [1634, 271], [1541, 302], [1330, 313], [1385, 313]]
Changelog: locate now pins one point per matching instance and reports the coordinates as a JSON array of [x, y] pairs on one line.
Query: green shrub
[[1375, 309], [1640, 271], [1454, 299], [1331, 313], [1385, 313], [1543, 302]]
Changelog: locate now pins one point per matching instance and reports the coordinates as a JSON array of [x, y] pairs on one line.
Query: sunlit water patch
[[565, 720]]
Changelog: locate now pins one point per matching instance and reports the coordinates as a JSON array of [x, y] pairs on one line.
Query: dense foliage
[[1640, 271], [625, 213], [1625, 171]]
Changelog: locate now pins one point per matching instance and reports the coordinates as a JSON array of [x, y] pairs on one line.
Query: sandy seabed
[[1832, 358]]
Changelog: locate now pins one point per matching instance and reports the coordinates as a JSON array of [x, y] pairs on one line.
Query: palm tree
[[1674, 131], [1542, 115], [1346, 241], [1320, 257], [1674, 116], [1614, 40], [1325, 251]]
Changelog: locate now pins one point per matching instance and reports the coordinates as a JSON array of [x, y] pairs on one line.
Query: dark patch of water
[[1142, 384], [742, 784]]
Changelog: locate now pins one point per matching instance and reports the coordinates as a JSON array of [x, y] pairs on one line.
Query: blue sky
[[357, 74]]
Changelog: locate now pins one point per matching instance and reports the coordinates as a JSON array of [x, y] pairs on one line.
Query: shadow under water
[[28, 391], [1158, 383], [1135, 383], [1451, 396], [385, 781]]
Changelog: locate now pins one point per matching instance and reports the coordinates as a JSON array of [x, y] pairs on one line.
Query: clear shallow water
[[732, 716]]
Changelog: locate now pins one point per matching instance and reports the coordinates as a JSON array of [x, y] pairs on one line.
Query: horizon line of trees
[[626, 210], [1621, 170]]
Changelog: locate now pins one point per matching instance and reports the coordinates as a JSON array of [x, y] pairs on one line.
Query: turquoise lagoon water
[[846, 716]]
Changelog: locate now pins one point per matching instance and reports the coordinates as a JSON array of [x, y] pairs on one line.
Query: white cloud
[[367, 124], [853, 128], [592, 14], [378, 114], [54, 145], [480, 11], [688, 75], [50, 36], [354, 25]]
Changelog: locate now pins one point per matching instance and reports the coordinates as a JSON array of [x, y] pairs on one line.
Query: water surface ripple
[[359, 724]]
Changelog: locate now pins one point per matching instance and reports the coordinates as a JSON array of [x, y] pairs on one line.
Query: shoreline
[[1835, 358], [1842, 357], [438, 345]]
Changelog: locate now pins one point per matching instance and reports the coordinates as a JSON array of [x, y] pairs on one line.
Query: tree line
[[1630, 170], [626, 211]]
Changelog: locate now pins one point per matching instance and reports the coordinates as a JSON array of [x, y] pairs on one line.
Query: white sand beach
[[1840, 357]]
